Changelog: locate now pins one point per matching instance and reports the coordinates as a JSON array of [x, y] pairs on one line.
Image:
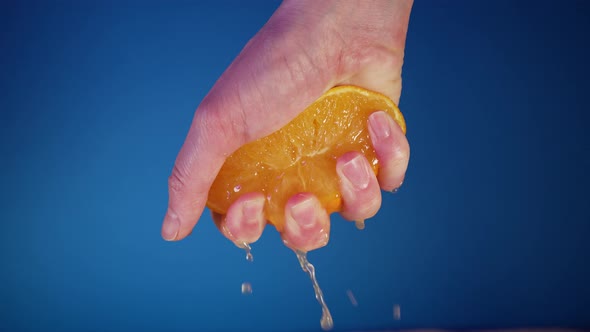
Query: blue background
[[490, 229]]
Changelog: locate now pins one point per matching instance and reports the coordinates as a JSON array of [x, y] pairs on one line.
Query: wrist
[[380, 21]]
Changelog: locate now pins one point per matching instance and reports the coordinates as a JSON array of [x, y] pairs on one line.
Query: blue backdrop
[[490, 229]]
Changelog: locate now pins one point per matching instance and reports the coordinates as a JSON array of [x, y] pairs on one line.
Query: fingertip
[[244, 221], [307, 224], [361, 195], [170, 226], [354, 171], [185, 204], [379, 126], [392, 148]]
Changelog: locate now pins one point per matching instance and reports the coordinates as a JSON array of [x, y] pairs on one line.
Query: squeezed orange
[[301, 156]]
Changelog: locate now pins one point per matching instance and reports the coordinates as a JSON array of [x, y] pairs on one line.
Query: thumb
[[273, 79]]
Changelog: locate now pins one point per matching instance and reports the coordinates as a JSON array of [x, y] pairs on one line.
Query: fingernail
[[357, 173], [252, 211], [170, 227], [304, 213], [380, 125]]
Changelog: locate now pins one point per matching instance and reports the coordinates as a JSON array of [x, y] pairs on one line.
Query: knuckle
[[176, 181], [225, 125], [363, 207], [370, 208], [393, 152], [401, 154]]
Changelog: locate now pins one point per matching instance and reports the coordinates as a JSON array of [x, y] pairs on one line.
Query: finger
[[392, 148], [307, 224], [267, 85], [361, 196], [244, 221]]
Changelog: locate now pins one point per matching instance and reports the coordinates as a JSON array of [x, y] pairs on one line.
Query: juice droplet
[[395, 190], [360, 224], [326, 322], [351, 298], [246, 288], [397, 314], [248, 250], [237, 188]]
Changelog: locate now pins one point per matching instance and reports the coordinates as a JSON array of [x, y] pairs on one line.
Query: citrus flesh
[[301, 156]]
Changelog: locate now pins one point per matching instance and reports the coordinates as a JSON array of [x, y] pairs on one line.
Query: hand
[[306, 48]]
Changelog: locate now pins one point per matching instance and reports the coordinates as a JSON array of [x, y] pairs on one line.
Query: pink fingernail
[[252, 211], [304, 213], [170, 227], [380, 125], [357, 173]]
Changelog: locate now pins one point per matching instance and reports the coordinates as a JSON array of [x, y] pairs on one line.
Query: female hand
[[306, 48]]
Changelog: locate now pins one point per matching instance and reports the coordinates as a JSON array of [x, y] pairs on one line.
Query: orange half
[[301, 156]]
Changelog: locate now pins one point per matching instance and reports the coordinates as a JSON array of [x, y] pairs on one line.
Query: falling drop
[[397, 312], [395, 190], [326, 322], [246, 288], [237, 188], [352, 298], [360, 224], [248, 250]]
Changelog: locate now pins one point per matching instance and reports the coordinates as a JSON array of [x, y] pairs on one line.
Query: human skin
[[306, 48]]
